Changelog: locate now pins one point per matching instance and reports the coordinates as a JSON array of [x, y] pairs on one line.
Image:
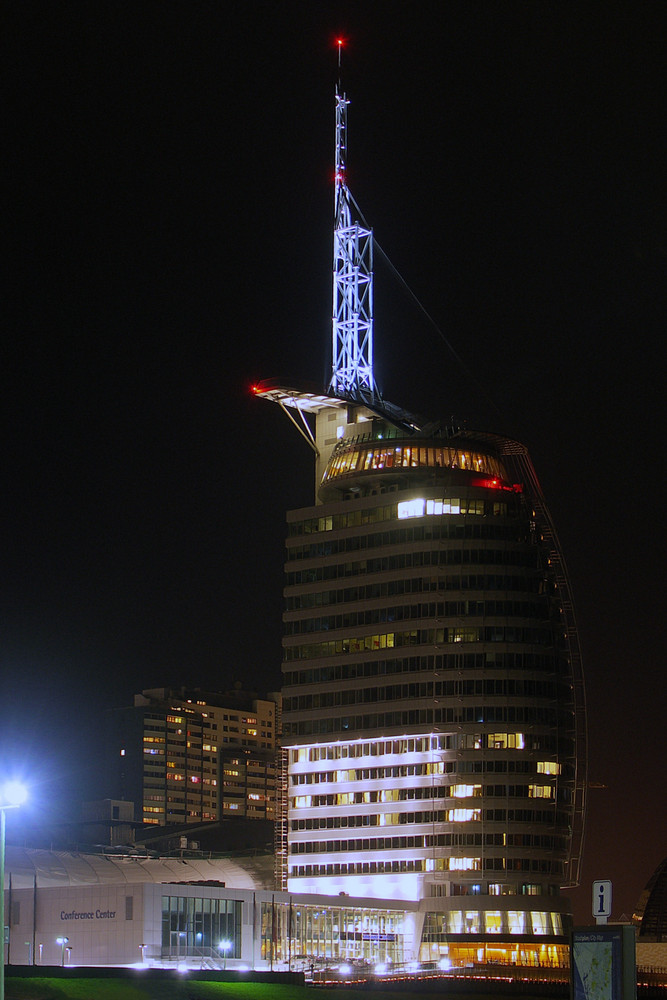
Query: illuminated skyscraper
[[434, 712]]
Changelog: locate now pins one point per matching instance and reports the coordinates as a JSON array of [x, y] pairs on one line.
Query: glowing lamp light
[[12, 795], [224, 947], [380, 969], [62, 941], [345, 970]]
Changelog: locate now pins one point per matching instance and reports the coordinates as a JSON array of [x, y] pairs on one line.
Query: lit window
[[516, 921], [531, 889], [463, 815], [464, 864], [540, 922], [410, 508], [505, 741], [548, 767], [540, 792], [493, 921], [463, 635], [464, 791]]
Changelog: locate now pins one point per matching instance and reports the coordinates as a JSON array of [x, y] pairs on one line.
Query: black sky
[[168, 205]]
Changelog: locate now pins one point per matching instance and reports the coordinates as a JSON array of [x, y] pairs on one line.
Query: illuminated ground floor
[[204, 925]]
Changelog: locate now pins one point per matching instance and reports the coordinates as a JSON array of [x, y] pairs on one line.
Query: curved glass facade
[[375, 456], [430, 707]]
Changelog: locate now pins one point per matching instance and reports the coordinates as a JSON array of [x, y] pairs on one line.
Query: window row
[[426, 769], [484, 687], [543, 842], [419, 507], [418, 585], [431, 609], [349, 519], [545, 866], [421, 637], [425, 744], [456, 715], [378, 456], [526, 557], [558, 820], [494, 889], [428, 792], [435, 531], [397, 511], [438, 925], [439, 662]]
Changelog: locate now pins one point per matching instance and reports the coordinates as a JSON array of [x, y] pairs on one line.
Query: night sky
[[168, 206]]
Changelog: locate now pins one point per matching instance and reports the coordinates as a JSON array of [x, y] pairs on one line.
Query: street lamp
[[224, 947], [12, 795], [62, 941]]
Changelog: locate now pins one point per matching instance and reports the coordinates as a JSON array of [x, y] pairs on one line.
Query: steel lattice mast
[[352, 368]]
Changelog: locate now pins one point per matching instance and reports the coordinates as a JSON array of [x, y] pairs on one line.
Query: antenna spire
[[352, 324]]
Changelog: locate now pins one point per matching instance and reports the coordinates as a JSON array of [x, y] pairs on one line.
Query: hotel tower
[[433, 717]]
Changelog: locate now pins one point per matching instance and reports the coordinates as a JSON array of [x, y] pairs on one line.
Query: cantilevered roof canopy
[[60, 868]]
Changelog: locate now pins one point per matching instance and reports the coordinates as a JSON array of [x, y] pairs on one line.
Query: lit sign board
[[603, 963]]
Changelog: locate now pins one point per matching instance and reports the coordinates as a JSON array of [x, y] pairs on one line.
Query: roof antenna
[[352, 320]]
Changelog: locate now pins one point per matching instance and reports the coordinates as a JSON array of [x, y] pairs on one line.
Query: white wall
[[92, 917]]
